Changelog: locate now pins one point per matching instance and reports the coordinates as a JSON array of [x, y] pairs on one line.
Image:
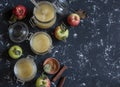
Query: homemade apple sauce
[[25, 69], [44, 14], [41, 43]]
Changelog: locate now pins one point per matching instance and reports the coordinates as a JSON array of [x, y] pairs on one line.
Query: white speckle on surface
[[8, 63], [117, 9], [105, 1], [90, 0], [54, 53], [8, 44], [93, 21], [75, 35], [83, 84], [67, 61], [110, 18], [101, 42], [117, 67], [87, 74], [94, 69], [83, 60], [94, 8], [72, 77]]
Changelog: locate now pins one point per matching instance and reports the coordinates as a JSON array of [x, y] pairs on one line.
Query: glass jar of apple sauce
[[44, 15], [25, 69], [41, 43]]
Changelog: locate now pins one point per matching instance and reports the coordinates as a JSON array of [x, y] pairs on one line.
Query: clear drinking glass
[[61, 6]]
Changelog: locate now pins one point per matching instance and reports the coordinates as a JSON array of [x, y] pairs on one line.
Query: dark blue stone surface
[[92, 51]]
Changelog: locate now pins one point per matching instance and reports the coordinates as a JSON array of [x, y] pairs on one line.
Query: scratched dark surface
[[92, 51]]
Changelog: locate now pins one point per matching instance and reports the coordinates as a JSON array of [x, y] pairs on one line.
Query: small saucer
[[51, 65]]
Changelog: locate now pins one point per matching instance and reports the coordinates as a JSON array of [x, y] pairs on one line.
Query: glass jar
[[44, 15], [40, 43], [25, 69], [18, 32]]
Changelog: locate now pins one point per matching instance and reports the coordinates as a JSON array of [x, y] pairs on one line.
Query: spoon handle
[[34, 2], [59, 73]]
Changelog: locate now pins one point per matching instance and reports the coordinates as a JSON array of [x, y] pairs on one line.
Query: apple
[[18, 13], [43, 81], [15, 52], [73, 19], [61, 32]]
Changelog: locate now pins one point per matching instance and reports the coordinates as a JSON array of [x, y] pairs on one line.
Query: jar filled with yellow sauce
[[41, 43], [44, 15]]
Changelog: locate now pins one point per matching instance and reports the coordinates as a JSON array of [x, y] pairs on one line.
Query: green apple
[[43, 81], [61, 32], [15, 52]]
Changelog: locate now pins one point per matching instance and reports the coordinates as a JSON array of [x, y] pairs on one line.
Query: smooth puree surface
[[41, 43], [25, 69], [44, 12]]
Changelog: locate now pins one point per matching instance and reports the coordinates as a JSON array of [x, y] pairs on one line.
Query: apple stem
[[12, 19], [16, 51], [64, 38], [63, 27], [43, 76]]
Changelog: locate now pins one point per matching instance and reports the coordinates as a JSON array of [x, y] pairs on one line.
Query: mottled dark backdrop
[[92, 51]]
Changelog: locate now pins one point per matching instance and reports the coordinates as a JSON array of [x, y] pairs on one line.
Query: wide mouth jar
[[44, 14], [25, 69], [41, 43], [18, 32]]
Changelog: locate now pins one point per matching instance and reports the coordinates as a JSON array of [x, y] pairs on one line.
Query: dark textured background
[[92, 51]]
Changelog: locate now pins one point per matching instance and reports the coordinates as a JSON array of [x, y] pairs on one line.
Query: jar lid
[[18, 32]]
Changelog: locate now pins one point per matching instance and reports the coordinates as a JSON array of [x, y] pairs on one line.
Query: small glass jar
[[25, 69], [40, 43], [44, 15], [18, 32]]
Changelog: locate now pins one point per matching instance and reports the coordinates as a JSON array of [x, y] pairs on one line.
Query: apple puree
[[44, 12], [41, 43], [53, 66], [25, 69], [45, 15]]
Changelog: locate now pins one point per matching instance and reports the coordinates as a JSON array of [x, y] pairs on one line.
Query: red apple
[[18, 13], [73, 19], [61, 32]]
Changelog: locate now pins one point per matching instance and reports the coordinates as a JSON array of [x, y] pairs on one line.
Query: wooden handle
[[59, 73], [61, 83]]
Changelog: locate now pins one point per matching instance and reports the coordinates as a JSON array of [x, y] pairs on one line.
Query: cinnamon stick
[[59, 73], [61, 83]]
